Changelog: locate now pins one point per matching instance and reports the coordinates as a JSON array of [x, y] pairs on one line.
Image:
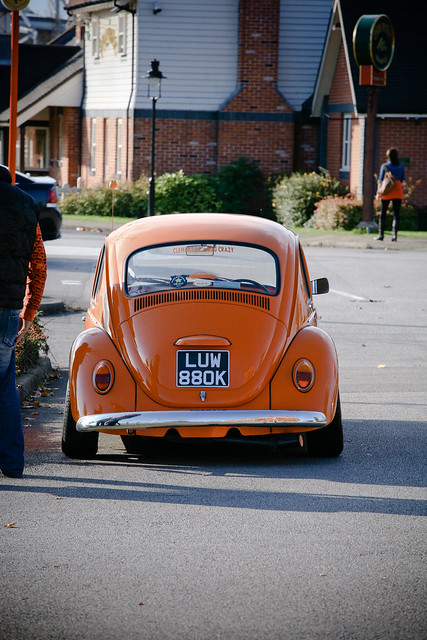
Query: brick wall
[[340, 92], [64, 145], [202, 146], [410, 140], [306, 146], [190, 145]]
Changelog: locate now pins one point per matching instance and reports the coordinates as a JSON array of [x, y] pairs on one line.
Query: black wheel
[[75, 444], [327, 442], [132, 444]]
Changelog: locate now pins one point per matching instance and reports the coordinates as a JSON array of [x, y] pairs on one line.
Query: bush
[[186, 194], [130, 200], [241, 188], [294, 197], [335, 212], [28, 350]]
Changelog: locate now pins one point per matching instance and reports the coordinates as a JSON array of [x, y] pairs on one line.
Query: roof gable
[[36, 62], [406, 89]]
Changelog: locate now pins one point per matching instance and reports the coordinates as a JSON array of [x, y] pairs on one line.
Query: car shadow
[[350, 483]]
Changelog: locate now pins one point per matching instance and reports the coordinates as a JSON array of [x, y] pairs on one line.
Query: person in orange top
[[395, 195], [22, 280]]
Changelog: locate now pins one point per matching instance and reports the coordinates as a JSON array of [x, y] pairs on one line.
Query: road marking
[[71, 283], [69, 251], [348, 295]]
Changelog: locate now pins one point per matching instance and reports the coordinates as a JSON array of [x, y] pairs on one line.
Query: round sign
[[15, 5], [373, 41]]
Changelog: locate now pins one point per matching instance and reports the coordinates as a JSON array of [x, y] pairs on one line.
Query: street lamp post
[[154, 76]]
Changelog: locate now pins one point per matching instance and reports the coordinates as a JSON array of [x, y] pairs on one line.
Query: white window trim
[[346, 143], [92, 145], [119, 133], [122, 33], [95, 38]]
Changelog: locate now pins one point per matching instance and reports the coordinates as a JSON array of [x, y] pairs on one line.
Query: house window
[[346, 143], [92, 145], [95, 37], [119, 148], [122, 34], [36, 148]]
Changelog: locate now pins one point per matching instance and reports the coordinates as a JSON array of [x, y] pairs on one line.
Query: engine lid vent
[[190, 295]]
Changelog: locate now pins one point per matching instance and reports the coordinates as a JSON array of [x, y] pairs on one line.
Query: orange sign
[[372, 77]]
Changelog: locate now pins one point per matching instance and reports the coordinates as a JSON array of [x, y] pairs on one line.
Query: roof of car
[[194, 227], [180, 227]]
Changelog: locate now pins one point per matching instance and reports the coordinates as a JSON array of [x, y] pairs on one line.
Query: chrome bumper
[[172, 419]]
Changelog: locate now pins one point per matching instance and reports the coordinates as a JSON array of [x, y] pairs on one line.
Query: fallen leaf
[[140, 604]]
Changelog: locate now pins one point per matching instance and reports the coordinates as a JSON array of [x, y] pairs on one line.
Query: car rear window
[[203, 264]]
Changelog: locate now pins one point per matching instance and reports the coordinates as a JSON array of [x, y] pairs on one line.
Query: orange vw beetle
[[203, 326]]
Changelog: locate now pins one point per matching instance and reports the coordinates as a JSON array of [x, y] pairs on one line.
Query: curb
[[27, 382], [50, 305]]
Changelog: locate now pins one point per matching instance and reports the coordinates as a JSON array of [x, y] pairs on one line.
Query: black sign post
[[373, 48]]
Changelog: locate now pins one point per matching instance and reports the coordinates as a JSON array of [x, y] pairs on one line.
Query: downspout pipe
[[131, 94], [80, 156]]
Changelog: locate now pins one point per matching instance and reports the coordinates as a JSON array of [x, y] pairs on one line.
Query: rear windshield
[[217, 265]]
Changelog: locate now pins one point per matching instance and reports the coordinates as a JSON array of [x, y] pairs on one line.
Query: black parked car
[[43, 190]]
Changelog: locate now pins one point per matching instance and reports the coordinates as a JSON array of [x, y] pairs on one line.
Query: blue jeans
[[11, 433]]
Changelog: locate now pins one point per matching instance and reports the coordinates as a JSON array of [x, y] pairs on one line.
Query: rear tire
[[83, 446], [327, 442]]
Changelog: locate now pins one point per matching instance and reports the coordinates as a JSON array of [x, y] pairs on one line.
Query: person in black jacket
[[22, 274]]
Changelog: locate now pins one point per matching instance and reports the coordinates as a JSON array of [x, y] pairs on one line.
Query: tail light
[[51, 196], [303, 374], [103, 376]]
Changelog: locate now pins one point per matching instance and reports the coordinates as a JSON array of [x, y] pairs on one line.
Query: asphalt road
[[237, 543]]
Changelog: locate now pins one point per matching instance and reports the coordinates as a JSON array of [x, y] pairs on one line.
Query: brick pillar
[[260, 133]]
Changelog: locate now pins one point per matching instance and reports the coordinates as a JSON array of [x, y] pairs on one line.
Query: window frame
[[28, 142], [346, 142], [95, 38], [122, 34], [119, 146], [196, 242], [92, 167]]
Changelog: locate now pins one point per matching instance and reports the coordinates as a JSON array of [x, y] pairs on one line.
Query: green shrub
[[336, 212], [29, 349], [186, 194], [130, 200], [241, 188], [294, 196]]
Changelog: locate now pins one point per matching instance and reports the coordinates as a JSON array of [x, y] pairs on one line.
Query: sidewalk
[[308, 239]]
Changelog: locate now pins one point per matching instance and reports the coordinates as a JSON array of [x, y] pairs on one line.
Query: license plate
[[202, 368]]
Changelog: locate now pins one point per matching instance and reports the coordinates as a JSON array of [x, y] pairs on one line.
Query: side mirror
[[321, 285]]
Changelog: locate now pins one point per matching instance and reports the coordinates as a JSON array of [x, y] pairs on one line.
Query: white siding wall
[[196, 43], [108, 78], [303, 25]]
